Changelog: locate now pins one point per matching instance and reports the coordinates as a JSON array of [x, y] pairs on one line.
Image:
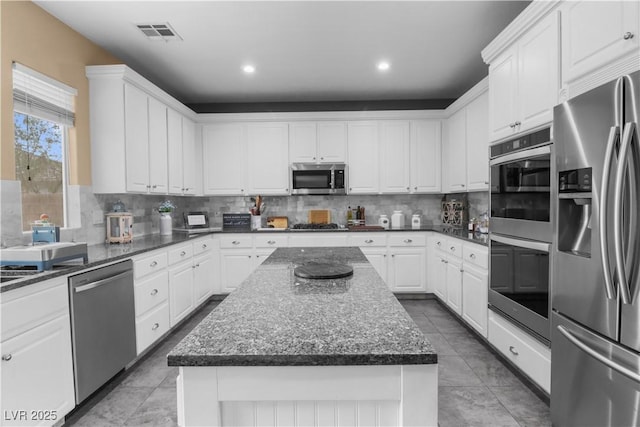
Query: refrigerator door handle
[[529, 244], [603, 213], [625, 147], [632, 375]]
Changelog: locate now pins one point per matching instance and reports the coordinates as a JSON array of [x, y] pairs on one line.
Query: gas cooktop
[[330, 226]]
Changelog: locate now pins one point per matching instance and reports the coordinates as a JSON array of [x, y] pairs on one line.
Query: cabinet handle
[[154, 292], [408, 240], [446, 262], [461, 271], [439, 243], [368, 241], [271, 242], [393, 255], [472, 256], [153, 264], [513, 350], [415, 188], [183, 253], [486, 182], [314, 158], [461, 185], [235, 242], [408, 188], [453, 248], [628, 35], [204, 246], [155, 326], [148, 187], [321, 158], [154, 186], [6, 357], [518, 123], [187, 189]]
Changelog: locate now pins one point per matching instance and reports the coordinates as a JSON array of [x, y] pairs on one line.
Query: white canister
[[397, 219], [416, 221], [384, 222], [166, 223], [256, 222]]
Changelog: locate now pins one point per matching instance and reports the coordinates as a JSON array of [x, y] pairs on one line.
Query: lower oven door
[[520, 273]]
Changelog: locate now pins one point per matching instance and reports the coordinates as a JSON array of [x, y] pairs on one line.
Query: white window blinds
[[38, 95]]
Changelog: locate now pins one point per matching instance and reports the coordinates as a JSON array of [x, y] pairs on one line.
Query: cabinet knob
[[393, 255], [271, 242], [486, 182], [518, 123], [628, 35], [439, 243], [321, 158], [314, 158], [513, 350], [183, 253], [155, 326], [415, 188], [446, 262], [461, 271], [235, 242], [461, 185], [153, 264], [154, 186], [368, 241], [453, 248], [204, 246], [472, 256], [154, 292], [148, 186], [6, 357], [408, 188], [408, 240]]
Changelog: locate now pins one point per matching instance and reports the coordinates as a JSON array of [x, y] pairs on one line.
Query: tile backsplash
[[146, 217]]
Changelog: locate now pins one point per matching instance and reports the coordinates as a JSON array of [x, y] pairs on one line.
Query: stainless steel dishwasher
[[102, 325]]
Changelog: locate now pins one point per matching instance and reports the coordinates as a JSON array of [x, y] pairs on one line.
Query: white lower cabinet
[[529, 355], [181, 297], [474, 297], [37, 365], [454, 284], [235, 266], [407, 269]]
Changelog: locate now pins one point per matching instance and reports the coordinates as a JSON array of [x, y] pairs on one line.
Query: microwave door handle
[[618, 199], [528, 244], [520, 155], [609, 287]]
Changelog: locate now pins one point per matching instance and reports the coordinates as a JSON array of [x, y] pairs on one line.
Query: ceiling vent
[[159, 31]]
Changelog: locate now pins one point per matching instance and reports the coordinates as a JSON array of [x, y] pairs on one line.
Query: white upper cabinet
[[395, 152], [317, 142], [477, 133], [268, 162], [224, 154], [426, 156], [363, 150], [174, 136], [600, 41], [455, 167], [136, 122], [190, 167], [524, 80], [157, 157]]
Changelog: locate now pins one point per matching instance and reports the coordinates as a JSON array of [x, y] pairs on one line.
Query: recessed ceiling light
[[249, 69], [383, 65]]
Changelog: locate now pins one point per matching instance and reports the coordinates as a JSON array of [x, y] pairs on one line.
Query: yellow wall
[[32, 37]]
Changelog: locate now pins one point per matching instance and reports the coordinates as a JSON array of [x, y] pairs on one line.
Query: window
[[43, 112]]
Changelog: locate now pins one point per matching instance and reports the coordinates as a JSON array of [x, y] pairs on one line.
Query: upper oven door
[[521, 193]]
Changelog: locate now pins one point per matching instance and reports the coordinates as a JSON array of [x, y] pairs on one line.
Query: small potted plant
[[166, 221]]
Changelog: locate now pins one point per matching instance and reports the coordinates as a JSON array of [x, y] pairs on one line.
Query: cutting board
[[319, 216], [278, 221]]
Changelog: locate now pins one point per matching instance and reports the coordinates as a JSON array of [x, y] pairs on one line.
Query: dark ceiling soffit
[[287, 107]]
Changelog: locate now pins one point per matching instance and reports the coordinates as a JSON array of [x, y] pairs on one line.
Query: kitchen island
[[282, 350]]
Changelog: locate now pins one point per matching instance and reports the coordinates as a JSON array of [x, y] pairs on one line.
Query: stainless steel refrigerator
[[595, 341]]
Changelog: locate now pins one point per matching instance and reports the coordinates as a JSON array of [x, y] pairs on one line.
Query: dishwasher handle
[[101, 282]]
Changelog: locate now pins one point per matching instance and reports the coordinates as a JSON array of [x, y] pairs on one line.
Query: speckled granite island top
[[277, 319]]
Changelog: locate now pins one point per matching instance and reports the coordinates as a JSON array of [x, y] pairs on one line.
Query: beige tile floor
[[475, 386]]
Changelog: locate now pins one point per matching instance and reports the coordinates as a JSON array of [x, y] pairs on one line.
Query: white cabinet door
[[478, 143], [235, 266], [363, 148], [596, 34], [224, 147], [378, 259], [203, 282], [190, 172], [332, 142], [302, 142], [174, 137], [474, 297], [455, 167], [407, 269], [502, 94], [538, 74], [267, 158], [426, 156], [158, 178], [440, 285], [261, 255], [181, 300], [38, 375], [136, 126], [395, 152], [454, 284]]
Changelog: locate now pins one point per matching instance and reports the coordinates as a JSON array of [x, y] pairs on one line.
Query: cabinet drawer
[[271, 241], [151, 292], [237, 241], [368, 239], [33, 305], [202, 245], [152, 326], [406, 239], [180, 253], [528, 354], [150, 264], [476, 255]]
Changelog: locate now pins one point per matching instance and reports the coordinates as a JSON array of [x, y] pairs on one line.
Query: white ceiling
[[302, 50]]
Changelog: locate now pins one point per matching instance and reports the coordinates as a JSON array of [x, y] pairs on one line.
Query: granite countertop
[[103, 253], [277, 319]]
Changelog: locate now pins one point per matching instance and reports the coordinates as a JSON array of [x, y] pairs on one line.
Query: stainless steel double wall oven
[[522, 216]]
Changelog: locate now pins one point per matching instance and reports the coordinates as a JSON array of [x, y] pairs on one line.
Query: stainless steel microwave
[[324, 178]]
